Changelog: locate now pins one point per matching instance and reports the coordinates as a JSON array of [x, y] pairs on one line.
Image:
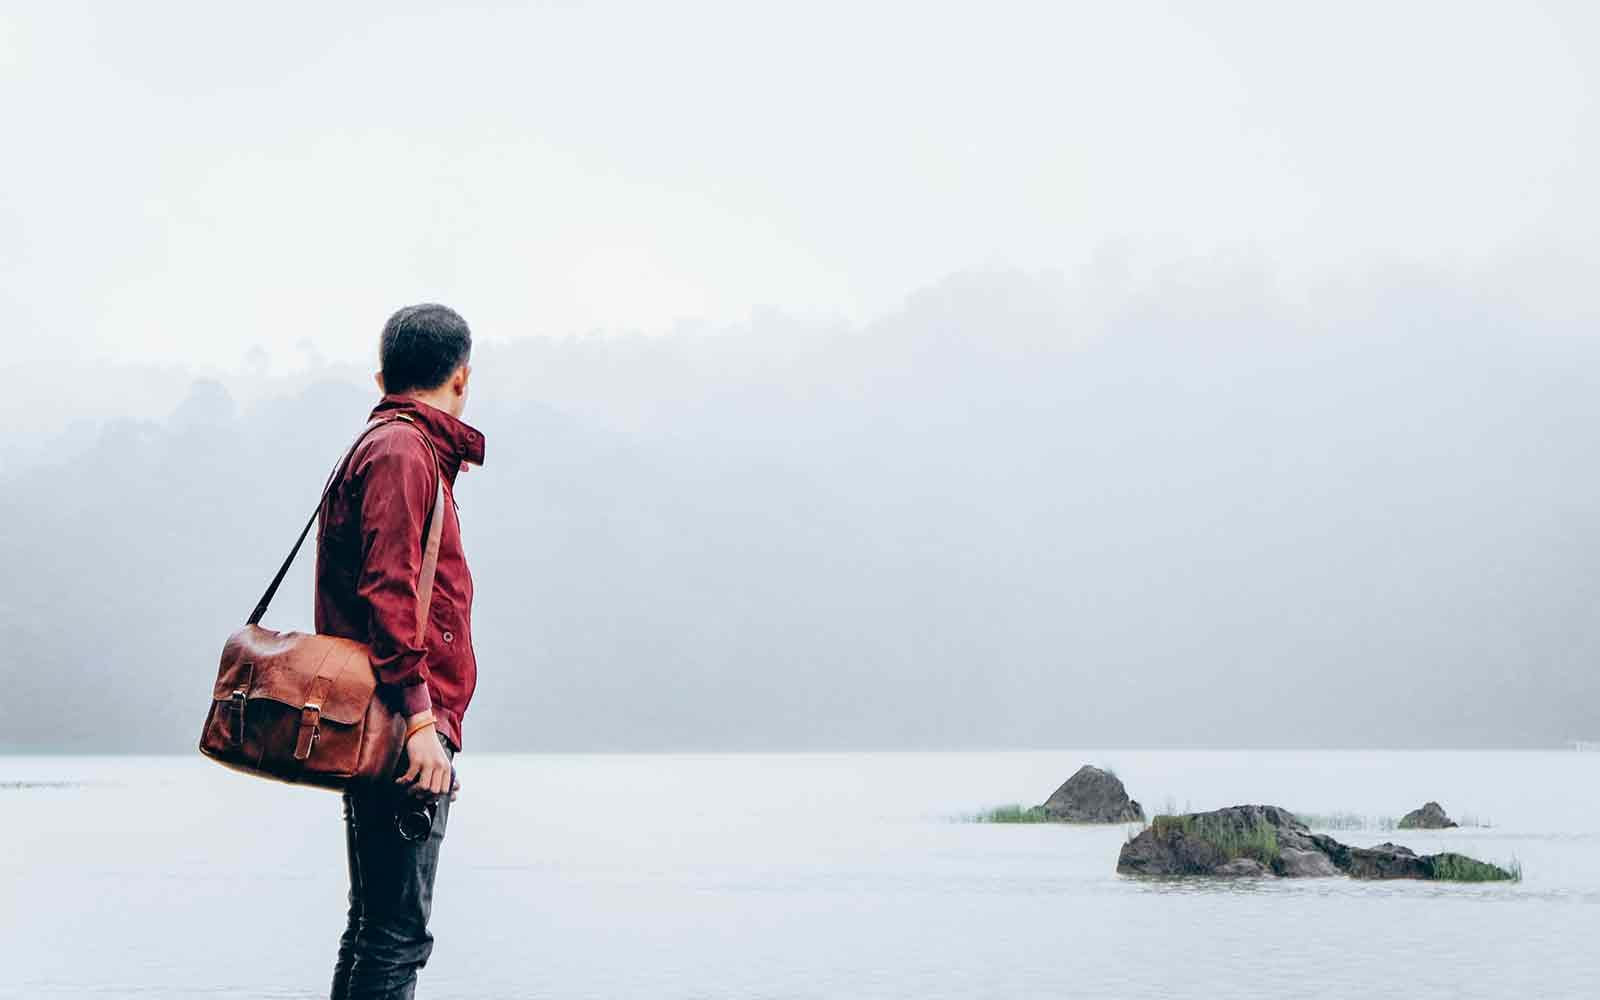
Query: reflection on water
[[828, 875]]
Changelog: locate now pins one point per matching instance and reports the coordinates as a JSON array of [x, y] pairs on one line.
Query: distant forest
[[1015, 513]]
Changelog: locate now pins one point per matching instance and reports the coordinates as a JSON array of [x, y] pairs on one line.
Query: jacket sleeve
[[395, 479]]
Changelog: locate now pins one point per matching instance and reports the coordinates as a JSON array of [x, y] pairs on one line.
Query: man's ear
[[458, 381], [378, 378]]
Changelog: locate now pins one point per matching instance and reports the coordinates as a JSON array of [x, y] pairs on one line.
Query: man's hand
[[428, 770]]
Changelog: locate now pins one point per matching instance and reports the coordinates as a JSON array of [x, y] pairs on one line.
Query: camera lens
[[414, 822]]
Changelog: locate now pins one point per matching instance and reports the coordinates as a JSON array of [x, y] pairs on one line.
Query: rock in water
[[1385, 861], [1092, 796], [1213, 843], [1429, 817], [1269, 840]]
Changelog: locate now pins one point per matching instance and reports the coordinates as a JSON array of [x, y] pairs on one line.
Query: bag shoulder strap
[[432, 535], [430, 550]]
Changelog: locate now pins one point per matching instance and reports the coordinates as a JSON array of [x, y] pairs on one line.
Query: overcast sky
[[187, 181]]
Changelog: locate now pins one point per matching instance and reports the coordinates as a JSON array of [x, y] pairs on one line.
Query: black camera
[[413, 821]]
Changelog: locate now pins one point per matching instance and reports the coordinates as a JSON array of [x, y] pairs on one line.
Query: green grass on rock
[[1259, 841]]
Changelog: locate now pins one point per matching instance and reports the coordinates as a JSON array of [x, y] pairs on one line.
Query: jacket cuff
[[414, 699]]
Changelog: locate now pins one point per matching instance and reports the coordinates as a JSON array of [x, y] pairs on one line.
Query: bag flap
[[281, 666]]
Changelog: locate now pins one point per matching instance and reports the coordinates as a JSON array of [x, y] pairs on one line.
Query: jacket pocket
[[446, 626]]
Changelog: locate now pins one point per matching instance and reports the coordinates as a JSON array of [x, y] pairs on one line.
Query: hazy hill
[[1016, 512]]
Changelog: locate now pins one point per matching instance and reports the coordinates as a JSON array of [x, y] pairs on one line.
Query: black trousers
[[386, 938]]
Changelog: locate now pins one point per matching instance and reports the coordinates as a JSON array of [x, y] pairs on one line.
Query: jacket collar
[[456, 441]]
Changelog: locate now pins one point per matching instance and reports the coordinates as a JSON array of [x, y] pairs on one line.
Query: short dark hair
[[421, 345]]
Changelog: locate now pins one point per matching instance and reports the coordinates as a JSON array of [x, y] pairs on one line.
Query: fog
[[188, 183], [994, 517], [853, 376]]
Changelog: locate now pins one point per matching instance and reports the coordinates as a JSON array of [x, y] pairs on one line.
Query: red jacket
[[369, 555]]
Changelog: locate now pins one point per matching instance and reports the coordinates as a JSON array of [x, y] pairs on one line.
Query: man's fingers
[[430, 780], [429, 773]]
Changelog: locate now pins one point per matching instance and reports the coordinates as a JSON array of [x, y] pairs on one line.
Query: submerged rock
[[1092, 796], [1430, 817], [1304, 862], [1210, 844], [1268, 840], [1383, 861]]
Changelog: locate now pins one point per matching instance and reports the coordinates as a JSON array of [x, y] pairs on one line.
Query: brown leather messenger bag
[[305, 708]]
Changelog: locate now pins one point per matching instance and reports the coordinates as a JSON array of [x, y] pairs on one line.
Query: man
[[369, 560]]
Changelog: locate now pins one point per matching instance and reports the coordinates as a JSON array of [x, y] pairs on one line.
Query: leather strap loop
[[328, 672], [236, 704], [310, 729]]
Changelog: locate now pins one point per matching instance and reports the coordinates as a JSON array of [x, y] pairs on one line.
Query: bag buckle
[[237, 703], [310, 729]]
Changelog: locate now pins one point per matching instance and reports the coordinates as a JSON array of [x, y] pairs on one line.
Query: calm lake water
[[796, 876]]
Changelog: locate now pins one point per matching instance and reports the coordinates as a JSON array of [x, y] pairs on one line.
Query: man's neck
[[439, 400]]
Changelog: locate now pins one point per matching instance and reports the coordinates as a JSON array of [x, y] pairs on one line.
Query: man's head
[[424, 352]]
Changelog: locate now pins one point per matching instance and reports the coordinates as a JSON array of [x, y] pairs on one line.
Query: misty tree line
[[1007, 515]]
